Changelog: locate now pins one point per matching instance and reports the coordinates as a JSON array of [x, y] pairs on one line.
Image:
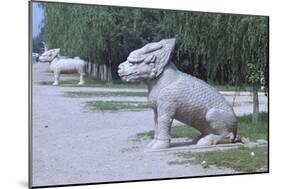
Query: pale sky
[[37, 17]]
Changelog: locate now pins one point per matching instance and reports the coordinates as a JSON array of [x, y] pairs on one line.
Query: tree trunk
[[101, 72], [104, 72], [90, 66], [255, 104], [94, 70], [109, 73]]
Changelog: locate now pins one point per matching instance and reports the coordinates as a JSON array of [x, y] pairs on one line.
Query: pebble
[[204, 164]]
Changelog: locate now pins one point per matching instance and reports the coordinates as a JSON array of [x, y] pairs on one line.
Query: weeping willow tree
[[225, 48], [213, 47], [218, 46], [104, 35], [255, 51]]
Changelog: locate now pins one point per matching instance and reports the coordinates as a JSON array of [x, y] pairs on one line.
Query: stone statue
[[59, 64], [176, 95]]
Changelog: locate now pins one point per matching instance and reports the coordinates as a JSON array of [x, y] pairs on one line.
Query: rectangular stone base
[[180, 147]]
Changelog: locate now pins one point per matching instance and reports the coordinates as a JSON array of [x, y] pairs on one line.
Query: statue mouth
[[131, 77], [43, 61], [126, 75]]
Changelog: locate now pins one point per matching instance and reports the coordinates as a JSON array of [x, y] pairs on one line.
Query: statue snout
[[121, 68], [41, 59]]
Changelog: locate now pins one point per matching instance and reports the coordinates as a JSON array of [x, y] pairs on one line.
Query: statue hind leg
[[222, 127]]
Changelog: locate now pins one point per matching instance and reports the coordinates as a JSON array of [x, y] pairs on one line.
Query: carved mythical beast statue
[[59, 64], [176, 95]]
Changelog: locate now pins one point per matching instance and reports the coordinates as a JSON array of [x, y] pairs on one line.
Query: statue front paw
[[55, 83], [160, 144], [81, 83], [206, 140], [150, 144]]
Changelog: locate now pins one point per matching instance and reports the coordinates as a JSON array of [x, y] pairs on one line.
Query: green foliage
[[92, 82], [246, 128], [104, 35], [84, 94], [116, 106], [255, 74], [37, 45], [253, 131], [228, 42], [179, 131], [238, 159], [214, 47]]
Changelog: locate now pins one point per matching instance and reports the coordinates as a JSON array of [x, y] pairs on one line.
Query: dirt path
[[73, 145]]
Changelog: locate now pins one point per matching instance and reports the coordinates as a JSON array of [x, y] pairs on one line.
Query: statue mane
[[158, 53]]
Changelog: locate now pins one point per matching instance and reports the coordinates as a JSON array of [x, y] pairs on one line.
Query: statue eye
[[153, 59], [150, 59], [152, 65]]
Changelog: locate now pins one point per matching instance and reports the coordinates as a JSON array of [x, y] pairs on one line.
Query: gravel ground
[[72, 145]]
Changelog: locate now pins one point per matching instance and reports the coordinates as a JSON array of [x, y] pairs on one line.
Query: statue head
[[147, 62], [49, 55]]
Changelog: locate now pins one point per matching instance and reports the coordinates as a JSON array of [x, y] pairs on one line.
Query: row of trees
[[37, 43], [219, 45], [211, 46], [103, 35], [221, 48]]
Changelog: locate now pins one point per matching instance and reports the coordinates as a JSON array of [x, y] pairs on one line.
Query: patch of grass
[[146, 135], [253, 131], [180, 162], [92, 82], [184, 131], [246, 128], [228, 87], [239, 159], [231, 88], [116, 105], [180, 131], [84, 94]]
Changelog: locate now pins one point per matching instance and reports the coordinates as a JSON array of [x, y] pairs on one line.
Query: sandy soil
[[74, 145]]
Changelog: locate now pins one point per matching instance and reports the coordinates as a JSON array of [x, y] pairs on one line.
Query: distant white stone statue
[[176, 95], [59, 64]]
